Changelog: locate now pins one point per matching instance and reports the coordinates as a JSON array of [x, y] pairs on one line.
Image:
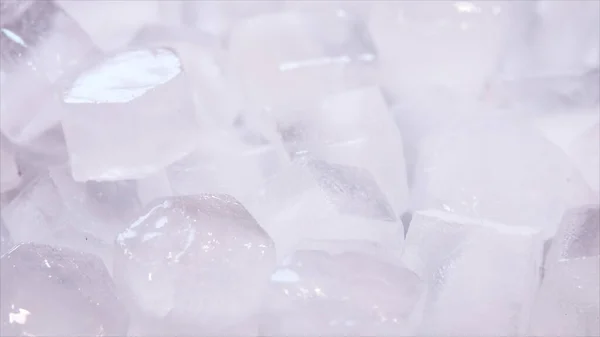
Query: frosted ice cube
[[9, 174], [129, 116], [293, 59], [568, 301], [57, 292], [351, 294], [501, 169], [38, 47], [441, 44], [200, 263], [473, 268], [53, 209], [316, 200], [356, 128]]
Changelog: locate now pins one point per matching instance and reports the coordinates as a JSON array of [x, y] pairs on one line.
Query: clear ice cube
[[315, 293], [200, 264], [290, 60], [474, 268], [53, 209], [441, 44], [501, 169], [49, 291], [355, 128], [129, 116], [39, 45], [567, 303], [316, 200]]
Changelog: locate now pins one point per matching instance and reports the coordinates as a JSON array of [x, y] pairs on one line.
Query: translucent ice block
[[316, 200], [57, 292], [315, 293], [291, 59], [129, 116], [195, 264], [567, 303], [481, 275]]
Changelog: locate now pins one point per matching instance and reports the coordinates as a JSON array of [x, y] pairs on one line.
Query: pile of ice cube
[[298, 168]]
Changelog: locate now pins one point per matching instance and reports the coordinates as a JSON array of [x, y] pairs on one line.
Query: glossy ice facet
[[48, 291], [317, 294], [290, 60], [200, 264], [129, 116], [473, 268], [499, 169], [316, 200]]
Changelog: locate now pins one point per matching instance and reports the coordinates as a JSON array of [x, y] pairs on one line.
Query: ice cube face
[[5, 239], [293, 59], [473, 268], [567, 302], [354, 128], [53, 209], [138, 100], [197, 262], [316, 293], [478, 170], [54, 291], [585, 152], [317, 200], [9, 175], [40, 44], [440, 44]]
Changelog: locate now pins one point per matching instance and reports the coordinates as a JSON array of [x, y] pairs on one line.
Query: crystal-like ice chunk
[[200, 263], [316, 200], [292, 59], [129, 116], [568, 301], [48, 291], [355, 128], [319, 294], [473, 268], [500, 169]]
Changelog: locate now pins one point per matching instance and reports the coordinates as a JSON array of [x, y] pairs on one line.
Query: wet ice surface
[[276, 167], [54, 291], [197, 262]]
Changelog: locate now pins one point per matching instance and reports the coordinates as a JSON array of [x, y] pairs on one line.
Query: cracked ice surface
[[288, 167]]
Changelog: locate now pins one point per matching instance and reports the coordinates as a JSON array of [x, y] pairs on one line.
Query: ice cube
[[356, 128], [57, 292], [316, 200], [585, 151], [5, 240], [214, 167], [319, 294], [218, 17], [436, 45], [501, 169], [566, 38], [200, 263], [39, 45], [129, 116], [112, 24], [53, 209], [473, 268], [290, 60], [9, 174], [568, 300]]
